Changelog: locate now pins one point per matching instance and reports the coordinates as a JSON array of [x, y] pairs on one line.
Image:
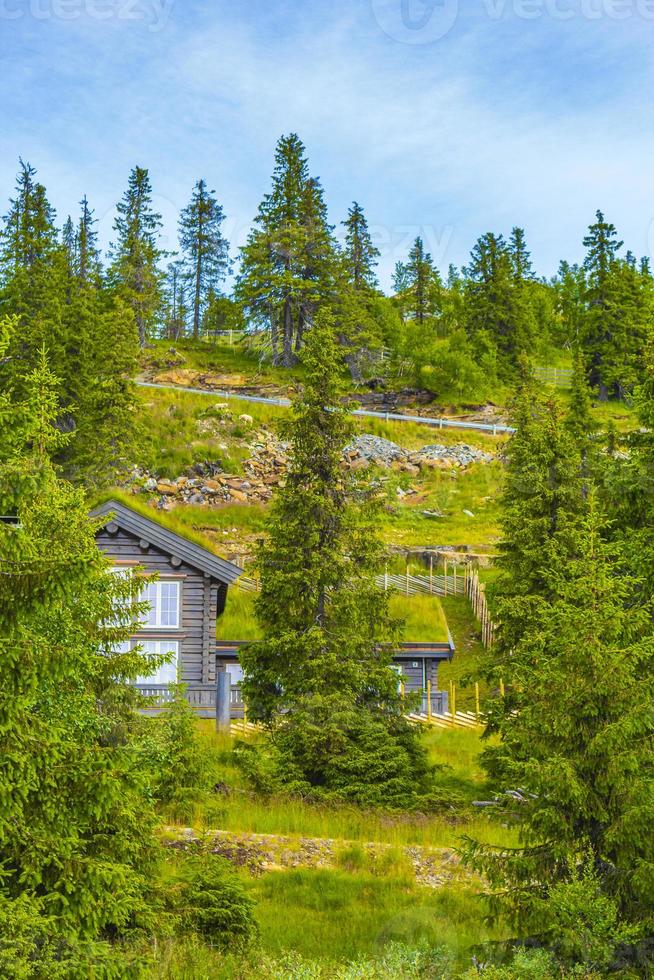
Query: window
[[235, 672], [400, 676], [163, 597], [166, 673]]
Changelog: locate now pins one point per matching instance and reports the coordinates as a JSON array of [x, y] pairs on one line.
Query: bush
[[33, 947], [455, 370], [181, 764], [210, 900], [330, 751]]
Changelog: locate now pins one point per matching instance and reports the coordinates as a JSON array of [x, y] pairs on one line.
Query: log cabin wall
[[199, 598]]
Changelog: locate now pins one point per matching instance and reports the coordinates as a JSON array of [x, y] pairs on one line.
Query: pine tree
[[576, 757], [287, 263], [75, 824], [359, 252], [322, 678], [88, 255], [101, 351], [542, 497], [356, 304], [175, 306], [602, 246], [135, 254], [520, 256], [422, 289], [570, 289], [205, 251], [34, 277], [497, 304]]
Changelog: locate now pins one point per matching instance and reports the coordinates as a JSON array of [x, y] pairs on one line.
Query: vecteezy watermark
[[569, 9], [154, 13], [416, 21], [395, 243], [426, 21]]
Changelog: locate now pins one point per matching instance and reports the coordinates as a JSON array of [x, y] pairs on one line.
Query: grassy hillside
[[367, 895]]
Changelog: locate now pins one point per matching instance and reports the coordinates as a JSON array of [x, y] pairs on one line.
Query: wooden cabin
[[186, 600]]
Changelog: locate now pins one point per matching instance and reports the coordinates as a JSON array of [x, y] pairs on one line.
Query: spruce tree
[[33, 266], [599, 322], [497, 304], [359, 252], [175, 305], [542, 497], [135, 254], [358, 313], [205, 252], [421, 289], [321, 679], [575, 763], [287, 265], [101, 352], [75, 824], [520, 256]]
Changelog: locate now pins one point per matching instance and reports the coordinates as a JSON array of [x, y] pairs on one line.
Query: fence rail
[[476, 593], [436, 423], [559, 377]]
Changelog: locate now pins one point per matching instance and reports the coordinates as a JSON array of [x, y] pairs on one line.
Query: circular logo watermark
[[416, 21]]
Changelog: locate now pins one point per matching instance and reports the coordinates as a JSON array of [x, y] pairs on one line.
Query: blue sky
[[441, 118]]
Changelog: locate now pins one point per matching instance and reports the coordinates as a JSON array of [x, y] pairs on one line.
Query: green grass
[[450, 493], [423, 616], [355, 908], [311, 922], [243, 811], [462, 669], [338, 916], [238, 621], [221, 358]]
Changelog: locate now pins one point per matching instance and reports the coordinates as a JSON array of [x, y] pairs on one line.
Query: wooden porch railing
[[201, 697]]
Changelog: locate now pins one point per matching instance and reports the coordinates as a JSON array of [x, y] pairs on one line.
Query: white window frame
[[156, 607], [167, 673]]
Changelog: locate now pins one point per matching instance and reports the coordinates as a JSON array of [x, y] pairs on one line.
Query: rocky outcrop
[[265, 468], [373, 450], [259, 853]]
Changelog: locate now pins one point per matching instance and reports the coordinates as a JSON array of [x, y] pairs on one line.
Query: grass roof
[[423, 615]]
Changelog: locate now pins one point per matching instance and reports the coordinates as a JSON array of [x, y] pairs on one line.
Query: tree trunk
[[287, 351], [198, 282]]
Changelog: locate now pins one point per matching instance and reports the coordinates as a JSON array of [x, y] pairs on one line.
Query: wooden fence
[[459, 582], [476, 593], [559, 377]]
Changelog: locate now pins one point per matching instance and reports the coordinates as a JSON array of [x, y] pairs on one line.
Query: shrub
[[211, 901], [33, 947], [454, 370], [181, 764]]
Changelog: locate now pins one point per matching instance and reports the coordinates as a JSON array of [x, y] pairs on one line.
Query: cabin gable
[[189, 594]]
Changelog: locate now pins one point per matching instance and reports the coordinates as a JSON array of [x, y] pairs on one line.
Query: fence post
[[223, 699], [454, 570], [429, 700], [477, 712], [431, 574], [445, 577], [386, 577], [453, 699], [407, 578]]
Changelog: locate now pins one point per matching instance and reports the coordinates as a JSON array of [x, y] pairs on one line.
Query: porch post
[[223, 697]]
